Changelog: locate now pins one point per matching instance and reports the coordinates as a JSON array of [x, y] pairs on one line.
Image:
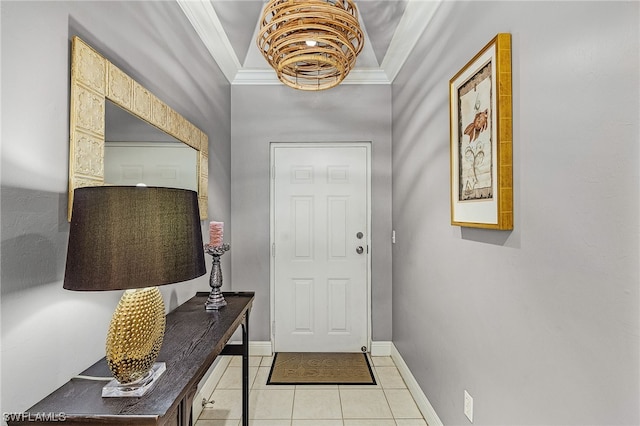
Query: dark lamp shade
[[133, 237]]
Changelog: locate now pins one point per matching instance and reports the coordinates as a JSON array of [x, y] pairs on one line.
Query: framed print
[[481, 139]]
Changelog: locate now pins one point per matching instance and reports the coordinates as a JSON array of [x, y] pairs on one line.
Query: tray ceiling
[[229, 28]]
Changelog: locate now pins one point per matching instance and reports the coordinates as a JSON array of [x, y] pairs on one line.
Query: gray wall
[[264, 114], [49, 334], [545, 333], [539, 324]]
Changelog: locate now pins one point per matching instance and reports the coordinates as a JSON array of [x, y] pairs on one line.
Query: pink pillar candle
[[216, 233]]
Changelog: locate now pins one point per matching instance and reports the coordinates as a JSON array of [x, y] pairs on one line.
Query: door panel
[[304, 303]]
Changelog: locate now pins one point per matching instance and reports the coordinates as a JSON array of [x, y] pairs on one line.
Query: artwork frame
[[481, 145]]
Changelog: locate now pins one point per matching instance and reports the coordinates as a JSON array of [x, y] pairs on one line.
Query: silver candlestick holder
[[215, 300]]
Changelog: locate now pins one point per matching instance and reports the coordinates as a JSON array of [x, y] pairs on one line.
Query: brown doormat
[[320, 368]]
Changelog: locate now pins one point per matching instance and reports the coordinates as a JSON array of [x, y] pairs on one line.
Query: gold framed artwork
[[481, 139]]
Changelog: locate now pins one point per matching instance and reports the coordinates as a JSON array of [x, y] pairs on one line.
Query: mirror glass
[[137, 152]]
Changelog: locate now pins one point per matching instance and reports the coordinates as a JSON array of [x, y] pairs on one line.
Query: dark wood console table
[[193, 339]]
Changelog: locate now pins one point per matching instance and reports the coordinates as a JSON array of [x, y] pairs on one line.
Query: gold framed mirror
[[94, 80]]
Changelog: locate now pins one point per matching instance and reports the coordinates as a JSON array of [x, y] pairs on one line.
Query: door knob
[[359, 250]]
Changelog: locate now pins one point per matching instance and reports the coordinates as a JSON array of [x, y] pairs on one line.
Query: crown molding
[[414, 21], [205, 21], [366, 76], [268, 77], [255, 77]]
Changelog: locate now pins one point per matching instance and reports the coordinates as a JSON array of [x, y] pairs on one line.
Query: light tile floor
[[388, 403]]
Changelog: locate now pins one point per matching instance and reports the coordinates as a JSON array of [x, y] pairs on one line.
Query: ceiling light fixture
[[311, 44]]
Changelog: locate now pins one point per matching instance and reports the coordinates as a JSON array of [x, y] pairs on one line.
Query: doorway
[[320, 257]]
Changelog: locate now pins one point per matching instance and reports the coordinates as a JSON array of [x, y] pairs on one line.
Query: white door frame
[[272, 147]]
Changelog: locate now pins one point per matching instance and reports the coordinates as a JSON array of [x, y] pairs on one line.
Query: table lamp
[[133, 239]]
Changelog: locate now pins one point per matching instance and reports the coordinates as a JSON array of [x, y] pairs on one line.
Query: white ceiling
[[229, 29]]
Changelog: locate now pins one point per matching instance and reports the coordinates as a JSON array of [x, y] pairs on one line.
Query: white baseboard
[[204, 393], [419, 397], [381, 348], [260, 349], [257, 348], [210, 383]]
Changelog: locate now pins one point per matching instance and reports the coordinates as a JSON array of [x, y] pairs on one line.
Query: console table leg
[[245, 370]]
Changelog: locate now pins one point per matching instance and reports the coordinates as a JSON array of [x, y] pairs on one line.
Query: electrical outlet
[[468, 406]]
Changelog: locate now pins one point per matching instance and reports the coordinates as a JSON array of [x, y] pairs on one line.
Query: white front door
[[320, 247]]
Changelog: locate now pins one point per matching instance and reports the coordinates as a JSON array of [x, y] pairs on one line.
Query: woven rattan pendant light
[[311, 44]]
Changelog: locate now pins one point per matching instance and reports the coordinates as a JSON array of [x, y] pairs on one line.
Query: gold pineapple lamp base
[[133, 343]]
